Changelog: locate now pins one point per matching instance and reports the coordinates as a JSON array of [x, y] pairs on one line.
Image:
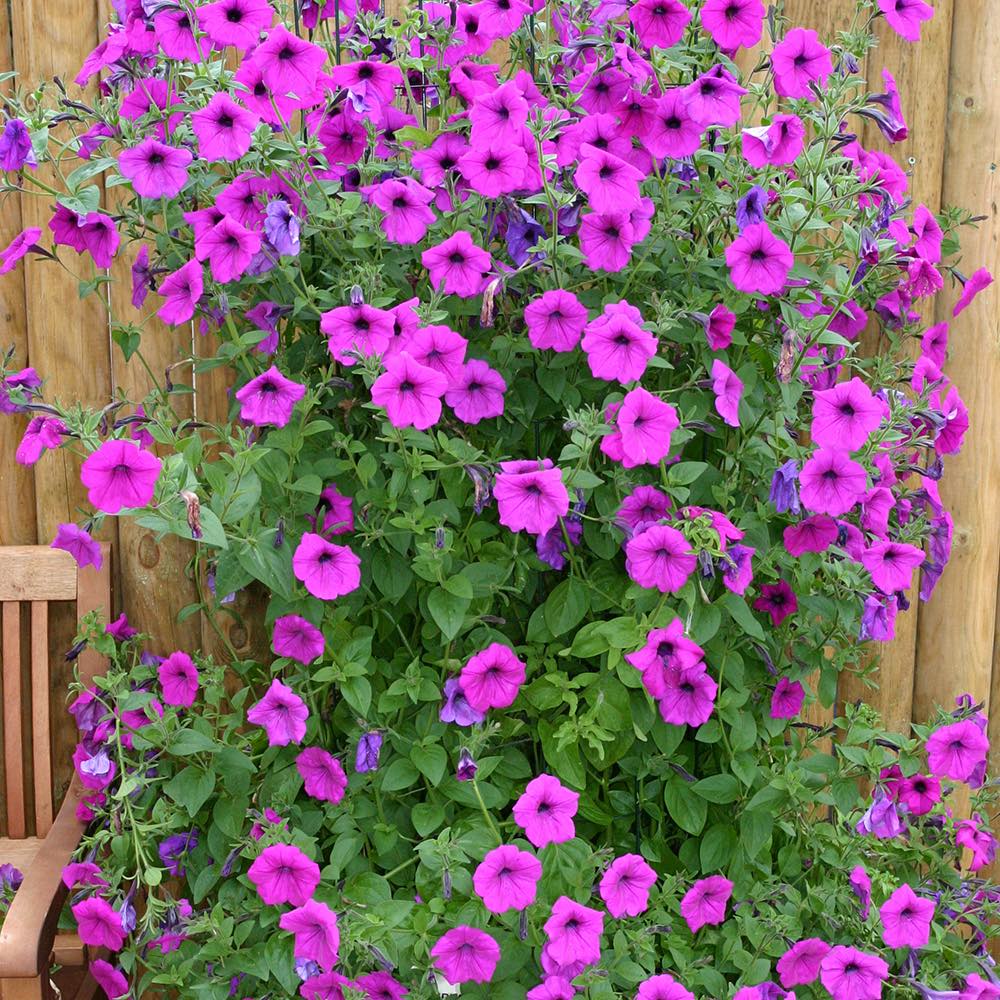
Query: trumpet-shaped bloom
[[41, 433], [223, 128], [800, 61], [297, 638], [492, 677], [850, 974], [178, 679], [891, 564], [326, 570], [507, 879], [545, 811], [673, 131], [831, 483], [759, 261], [270, 398], [799, 966], [662, 987], [18, 249], [283, 874], [530, 498], [787, 699], [441, 348], [777, 144], [555, 320], [643, 506], [814, 534], [181, 291], [110, 979], [618, 349], [972, 287], [79, 544], [404, 207], [235, 22], [906, 16], [357, 329], [661, 558], [155, 169], [688, 695], [609, 182], [322, 774], [728, 389], [606, 239], [281, 713], [919, 793], [457, 265], [957, 751], [229, 249], [314, 926], [98, 924], [499, 116], [777, 600], [704, 904], [625, 886], [659, 23], [733, 23], [368, 78], [845, 415], [466, 955], [645, 424], [477, 392], [409, 392], [666, 649], [906, 919], [120, 474], [495, 169], [289, 64], [574, 932]]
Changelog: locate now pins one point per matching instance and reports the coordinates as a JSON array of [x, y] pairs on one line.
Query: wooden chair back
[[31, 578]]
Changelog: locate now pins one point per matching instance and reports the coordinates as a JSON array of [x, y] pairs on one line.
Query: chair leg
[[27, 989]]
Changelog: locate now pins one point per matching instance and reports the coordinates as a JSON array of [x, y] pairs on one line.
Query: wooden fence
[[950, 84]]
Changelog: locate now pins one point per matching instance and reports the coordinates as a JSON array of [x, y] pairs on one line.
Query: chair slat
[[36, 573], [94, 591], [40, 718], [12, 732]]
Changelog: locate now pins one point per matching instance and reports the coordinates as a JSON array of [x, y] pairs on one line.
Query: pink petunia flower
[[919, 793], [891, 564], [813, 534], [498, 117], [155, 169], [492, 677], [662, 987], [270, 398], [494, 170], [666, 649], [973, 286], [787, 699], [610, 183], [552, 988], [181, 290], [778, 600], [618, 349], [507, 879], [322, 774], [733, 23], [719, 325], [574, 932], [645, 424], [477, 393], [759, 261], [283, 874], [643, 506], [357, 329], [79, 544], [314, 927], [728, 389], [18, 248], [625, 886], [42, 432], [659, 23], [831, 483], [977, 988], [110, 979], [178, 679], [906, 16], [281, 713], [530, 496], [861, 886], [714, 98], [327, 570], [297, 639], [976, 837], [777, 144], [229, 249], [368, 78], [673, 131], [120, 474], [98, 924], [235, 22], [689, 695], [409, 392], [545, 811], [704, 904], [846, 972], [289, 64], [799, 966], [457, 266], [799, 61], [660, 558], [957, 750], [555, 320], [466, 955], [439, 347], [381, 986], [404, 207], [845, 415], [606, 240], [223, 128]]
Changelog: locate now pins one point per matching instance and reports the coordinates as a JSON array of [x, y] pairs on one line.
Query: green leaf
[[448, 611], [685, 473], [398, 775], [717, 847], [189, 741], [427, 817], [431, 761], [755, 830], [566, 606], [719, 788], [741, 614], [686, 808], [191, 788]]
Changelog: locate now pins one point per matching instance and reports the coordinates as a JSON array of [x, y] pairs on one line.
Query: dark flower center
[[286, 53], [732, 12], [446, 163], [225, 121], [474, 386], [758, 255], [406, 386], [456, 258], [492, 163], [673, 122], [366, 72], [399, 202], [847, 410], [234, 15], [606, 171], [156, 159]]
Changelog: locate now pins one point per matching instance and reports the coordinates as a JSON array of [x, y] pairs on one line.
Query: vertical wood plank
[[12, 732], [41, 718]]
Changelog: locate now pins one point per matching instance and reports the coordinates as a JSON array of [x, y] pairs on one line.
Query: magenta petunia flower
[[574, 932], [545, 811], [861, 886], [977, 988], [440, 348], [322, 774], [297, 638], [155, 169], [270, 398], [891, 564], [317, 938], [507, 879], [814, 534], [666, 649], [728, 389], [777, 144], [659, 23], [618, 349], [799, 966], [343, 138], [42, 432], [957, 750], [645, 424], [18, 248], [477, 393], [719, 325], [235, 22], [976, 838], [94, 233], [409, 392], [644, 505], [381, 986], [120, 474], [787, 699], [555, 320], [704, 904], [625, 886], [404, 207], [660, 558], [733, 23], [606, 240], [178, 679], [357, 329], [495, 169], [831, 483], [98, 924], [799, 61], [662, 987], [181, 291], [850, 974], [714, 98], [553, 988], [492, 677], [498, 116], [337, 511], [610, 183], [972, 287], [229, 249], [845, 415], [289, 64], [223, 128], [778, 600], [688, 695], [906, 16], [281, 713], [327, 570], [920, 793], [673, 131], [759, 261], [110, 979], [457, 265], [530, 497], [368, 78], [79, 544], [283, 874], [466, 955], [906, 919]]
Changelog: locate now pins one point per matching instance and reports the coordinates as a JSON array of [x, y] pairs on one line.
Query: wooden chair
[[39, 845]]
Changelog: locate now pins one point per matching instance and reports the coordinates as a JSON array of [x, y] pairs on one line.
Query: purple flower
[[887, 112], [467, 766], [750, 208], [523, 233], [142, 277], [15, 146], [282, 227], [456, 707], [10, 877], [369, 747], [881, 820], [173, 849], [551, 547], [784, 493]]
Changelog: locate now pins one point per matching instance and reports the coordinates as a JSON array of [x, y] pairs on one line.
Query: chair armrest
[[29, 928]]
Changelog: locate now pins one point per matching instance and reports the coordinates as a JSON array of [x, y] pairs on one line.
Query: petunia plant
[[553, 447]]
